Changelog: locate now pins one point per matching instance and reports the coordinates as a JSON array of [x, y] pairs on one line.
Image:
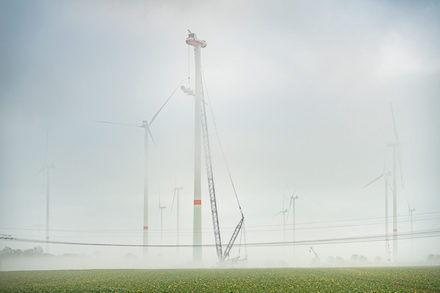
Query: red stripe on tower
[[197, 202], [145, 228], [394, 230]]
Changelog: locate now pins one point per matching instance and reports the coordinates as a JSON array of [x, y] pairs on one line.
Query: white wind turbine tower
[[411, 211], [176, 194], [147, 136], [198, 44], [47, 167], [161, 208], [284, 213], [292, 207], [385, 175], [396, 159]]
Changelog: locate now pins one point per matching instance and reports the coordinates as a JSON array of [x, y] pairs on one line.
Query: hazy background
[[301, 93]]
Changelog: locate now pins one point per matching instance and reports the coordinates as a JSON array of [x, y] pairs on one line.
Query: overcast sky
[[301, 92]]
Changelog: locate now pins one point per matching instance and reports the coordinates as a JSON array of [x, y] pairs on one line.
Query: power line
[[349, 220], [343, 240], [110, 231]]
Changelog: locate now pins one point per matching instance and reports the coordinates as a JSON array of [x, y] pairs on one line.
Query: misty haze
[[271, 145]]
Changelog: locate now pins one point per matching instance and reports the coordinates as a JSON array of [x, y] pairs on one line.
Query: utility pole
[[192, 40]]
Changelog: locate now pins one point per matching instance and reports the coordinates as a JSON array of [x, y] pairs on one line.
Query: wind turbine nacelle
[[193, 41]]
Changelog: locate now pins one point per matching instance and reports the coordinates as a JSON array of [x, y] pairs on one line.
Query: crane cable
[[220, 144], [189, 68], [242, 232]]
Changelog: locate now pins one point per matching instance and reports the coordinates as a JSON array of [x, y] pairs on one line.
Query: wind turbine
[[396, 159], [47, 167], [316, 258], [283, 213], [385, 175], [161, 208], [411, 211], [176, 191], [146, 125], [292, 206]]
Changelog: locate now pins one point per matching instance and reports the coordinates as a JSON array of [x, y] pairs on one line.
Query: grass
[[406, 279]]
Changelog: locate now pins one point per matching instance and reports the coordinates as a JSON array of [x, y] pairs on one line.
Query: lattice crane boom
[[212, 197], [211, 186]]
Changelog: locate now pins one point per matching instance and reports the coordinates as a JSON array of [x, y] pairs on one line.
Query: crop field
[[405, 279]]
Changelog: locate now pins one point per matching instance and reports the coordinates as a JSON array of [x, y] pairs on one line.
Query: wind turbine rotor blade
[[41, 170], [290, 207], [151, 135], [372, 181], [399, 161], [397, 142], [117, 123], [46, 150], [396, 135], [164, 104], [172, 203]]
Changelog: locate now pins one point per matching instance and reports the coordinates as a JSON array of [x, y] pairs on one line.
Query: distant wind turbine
[[396, 160], [161, 208], [47, 167], [283, 213], [146, 125], [292, 209], [411, 211], [176, 195], [385, 175]]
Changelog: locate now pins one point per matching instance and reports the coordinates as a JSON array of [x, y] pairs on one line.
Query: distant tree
[[433, 258], [331, 259], [9, 252], [359, 259], [378, 259], [354, 258], [340, 260], [36, 251]]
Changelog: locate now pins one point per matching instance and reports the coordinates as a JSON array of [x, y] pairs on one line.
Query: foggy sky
[[301, 94]]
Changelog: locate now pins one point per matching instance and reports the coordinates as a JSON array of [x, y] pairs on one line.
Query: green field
[[408, 279]]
